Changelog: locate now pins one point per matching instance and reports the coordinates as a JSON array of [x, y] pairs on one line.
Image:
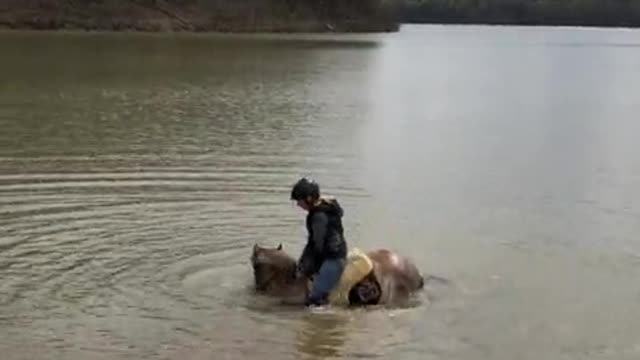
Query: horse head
[[272, 267]]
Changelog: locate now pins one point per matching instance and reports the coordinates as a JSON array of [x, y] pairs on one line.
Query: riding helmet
[[304, 188]]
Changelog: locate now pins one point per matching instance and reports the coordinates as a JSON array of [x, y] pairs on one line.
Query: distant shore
[[309, 16], [249, 16], [525, 23], [583, 13], [218, 27]]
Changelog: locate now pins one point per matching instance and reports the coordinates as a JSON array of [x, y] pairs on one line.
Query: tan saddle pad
[[358, 266]]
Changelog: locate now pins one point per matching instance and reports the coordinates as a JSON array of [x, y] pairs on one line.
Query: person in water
[[324, 255]]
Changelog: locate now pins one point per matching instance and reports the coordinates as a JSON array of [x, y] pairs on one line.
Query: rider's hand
[[297, 273]]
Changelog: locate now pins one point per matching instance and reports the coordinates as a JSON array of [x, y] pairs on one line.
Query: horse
[[390, 280]]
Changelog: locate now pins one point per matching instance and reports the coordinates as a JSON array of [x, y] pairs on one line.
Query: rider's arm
[[319, 224], [306, 264]]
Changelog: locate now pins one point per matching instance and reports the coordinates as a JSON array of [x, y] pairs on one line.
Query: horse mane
[[272, 267]]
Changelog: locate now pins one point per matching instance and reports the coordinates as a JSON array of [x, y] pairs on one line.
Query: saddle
[[356, 285]]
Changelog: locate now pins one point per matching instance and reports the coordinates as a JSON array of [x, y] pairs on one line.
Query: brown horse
[[391, 282]]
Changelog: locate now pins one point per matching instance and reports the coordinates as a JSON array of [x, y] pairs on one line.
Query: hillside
[[199, 15]]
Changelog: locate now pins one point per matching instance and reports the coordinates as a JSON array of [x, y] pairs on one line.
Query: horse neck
[[283, 282]]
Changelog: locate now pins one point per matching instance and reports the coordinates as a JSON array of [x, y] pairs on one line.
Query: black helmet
[[305, 188]]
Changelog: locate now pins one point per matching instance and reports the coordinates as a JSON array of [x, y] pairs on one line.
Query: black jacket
[[326, 236]]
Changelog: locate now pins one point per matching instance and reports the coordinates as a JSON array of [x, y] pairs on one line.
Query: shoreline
[[524, 24], [301, 30]]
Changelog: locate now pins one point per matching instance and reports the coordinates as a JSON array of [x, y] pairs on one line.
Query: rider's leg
[[327, 278]]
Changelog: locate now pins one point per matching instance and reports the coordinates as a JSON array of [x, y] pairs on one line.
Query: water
[[136, 172]]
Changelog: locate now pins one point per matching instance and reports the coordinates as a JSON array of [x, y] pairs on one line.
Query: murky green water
[[136, 172]]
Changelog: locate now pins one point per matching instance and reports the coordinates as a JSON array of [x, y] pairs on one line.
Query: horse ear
[[279, 246], [256, 248]]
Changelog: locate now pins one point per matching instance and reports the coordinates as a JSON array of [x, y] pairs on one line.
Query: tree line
[[201, 15], [525, 12], [307, 15]]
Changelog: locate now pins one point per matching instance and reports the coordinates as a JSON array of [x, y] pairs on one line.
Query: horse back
[[401, 269]]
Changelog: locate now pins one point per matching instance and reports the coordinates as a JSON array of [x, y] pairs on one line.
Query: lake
[[138, 170]]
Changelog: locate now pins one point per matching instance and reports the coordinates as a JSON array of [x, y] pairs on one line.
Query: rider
[[325, 254]]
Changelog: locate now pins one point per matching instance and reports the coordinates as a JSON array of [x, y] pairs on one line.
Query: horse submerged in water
[[377, 277]]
